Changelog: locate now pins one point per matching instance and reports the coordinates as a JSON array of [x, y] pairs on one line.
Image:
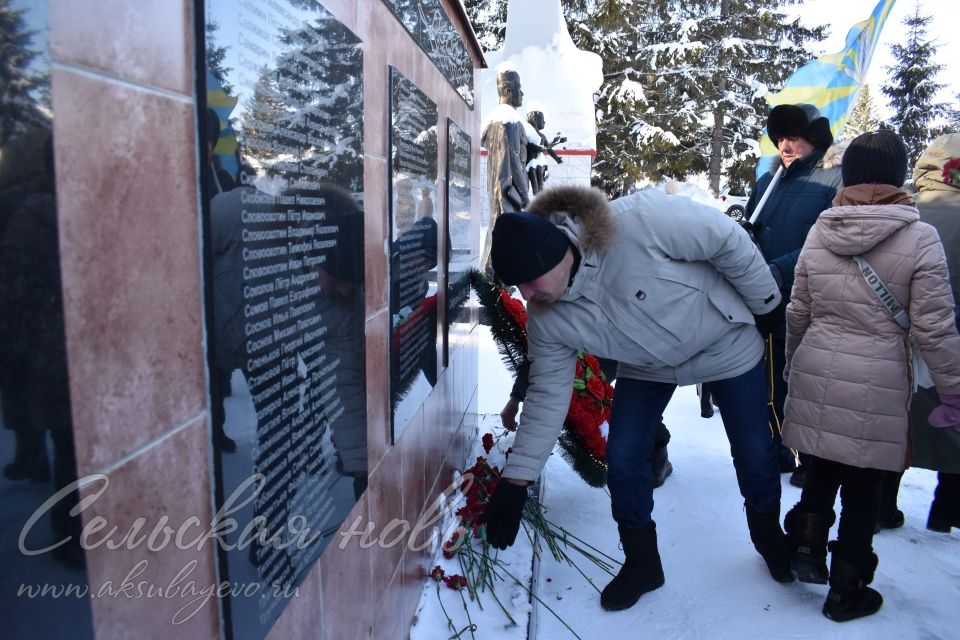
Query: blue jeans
[[637, 407]]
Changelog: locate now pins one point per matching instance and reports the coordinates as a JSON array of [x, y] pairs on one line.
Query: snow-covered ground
[[716, 587]]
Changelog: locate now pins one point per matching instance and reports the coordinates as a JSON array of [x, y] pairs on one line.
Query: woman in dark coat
[[939, 448]]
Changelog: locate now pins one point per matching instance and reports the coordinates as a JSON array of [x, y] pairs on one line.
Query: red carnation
[[455, 582], [437, 573], [487, 442]]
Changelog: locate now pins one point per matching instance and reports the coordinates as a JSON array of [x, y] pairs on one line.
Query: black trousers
[[859, 499], [946, 496]]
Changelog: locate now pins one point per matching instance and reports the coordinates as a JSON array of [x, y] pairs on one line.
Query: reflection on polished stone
[[285, 180], [458, 229], [413, 249], [43, 582], [429, 25]]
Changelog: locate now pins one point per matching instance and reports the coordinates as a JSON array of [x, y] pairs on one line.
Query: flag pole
[[766, 194]]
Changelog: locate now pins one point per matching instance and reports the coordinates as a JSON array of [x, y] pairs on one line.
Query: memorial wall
[[236, 328], [285, 186]]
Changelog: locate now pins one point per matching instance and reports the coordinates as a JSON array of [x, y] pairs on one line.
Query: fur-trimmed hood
[[832, 157], [581, 212]]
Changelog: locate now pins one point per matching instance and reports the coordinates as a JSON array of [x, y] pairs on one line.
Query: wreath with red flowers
[[582, 441]]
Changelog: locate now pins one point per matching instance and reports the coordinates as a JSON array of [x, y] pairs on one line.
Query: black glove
[[502, 515], [770, 322]]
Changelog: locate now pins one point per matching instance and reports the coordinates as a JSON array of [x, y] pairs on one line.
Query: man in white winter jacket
[[672, 290]]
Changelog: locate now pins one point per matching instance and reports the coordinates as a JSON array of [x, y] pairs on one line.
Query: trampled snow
[[717, 587]]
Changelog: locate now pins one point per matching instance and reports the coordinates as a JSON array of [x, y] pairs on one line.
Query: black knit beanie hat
[[875, 157], [525, 246], [799, 121]]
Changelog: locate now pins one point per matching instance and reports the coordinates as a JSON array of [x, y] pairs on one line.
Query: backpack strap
[[879, 288]]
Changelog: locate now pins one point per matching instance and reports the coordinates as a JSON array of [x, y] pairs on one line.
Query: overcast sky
[[843, 14]]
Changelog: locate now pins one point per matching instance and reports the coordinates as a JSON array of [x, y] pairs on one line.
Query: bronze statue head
[[535, 118], [508, 88]]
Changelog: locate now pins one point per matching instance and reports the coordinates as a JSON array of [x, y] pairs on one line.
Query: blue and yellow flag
[[223, 105], [831, 82]]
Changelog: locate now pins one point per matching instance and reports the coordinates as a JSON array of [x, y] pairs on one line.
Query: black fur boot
[[771, 543], [807, 534], [850, 597], [641, 571]]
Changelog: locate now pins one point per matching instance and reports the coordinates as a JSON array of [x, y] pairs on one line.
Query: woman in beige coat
[[848, 364]]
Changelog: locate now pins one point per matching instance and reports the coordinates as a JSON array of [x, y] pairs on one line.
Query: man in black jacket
[[810, 177]]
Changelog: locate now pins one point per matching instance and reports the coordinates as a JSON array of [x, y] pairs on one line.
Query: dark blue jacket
[[805, 190]]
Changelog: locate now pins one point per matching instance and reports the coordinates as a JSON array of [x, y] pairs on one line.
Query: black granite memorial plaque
[[458, 231], [413, 248], [43, 581], [285, 305], [429, 25]]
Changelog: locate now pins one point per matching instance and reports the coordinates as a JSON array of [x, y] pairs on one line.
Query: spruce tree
[[306, 111], [216, 57], [913, 87], [24, 99], [627, 146], [863, 116], [683, 82], [262, 114], [713, 62], [489, 20], [953, 117]]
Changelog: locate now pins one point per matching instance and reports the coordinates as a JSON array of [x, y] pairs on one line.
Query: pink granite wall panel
[[376, 229], [148, 41], [127, 198], [168, 485]]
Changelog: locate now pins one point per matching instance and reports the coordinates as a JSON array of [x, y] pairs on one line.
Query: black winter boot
[[771, 543], [807, 534], [850, 597], [641, 571], [661, 466]]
